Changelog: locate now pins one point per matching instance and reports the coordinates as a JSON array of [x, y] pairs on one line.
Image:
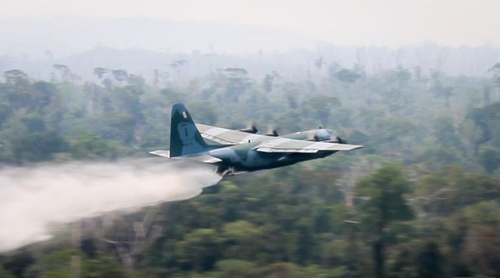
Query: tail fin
[[185, 138]]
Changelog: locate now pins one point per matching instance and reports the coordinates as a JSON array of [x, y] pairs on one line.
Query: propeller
[[341, 141], [251, 128], [334, 138], [271, 131]]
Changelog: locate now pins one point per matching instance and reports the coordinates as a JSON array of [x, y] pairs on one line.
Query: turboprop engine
[[325, 135]]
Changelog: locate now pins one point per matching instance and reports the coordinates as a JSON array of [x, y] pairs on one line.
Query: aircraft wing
[[285, 145], [228, 136]]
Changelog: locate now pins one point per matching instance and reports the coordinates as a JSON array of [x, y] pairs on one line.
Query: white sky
[[346, 22]]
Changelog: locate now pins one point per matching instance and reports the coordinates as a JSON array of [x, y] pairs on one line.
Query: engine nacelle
[[325, 135]]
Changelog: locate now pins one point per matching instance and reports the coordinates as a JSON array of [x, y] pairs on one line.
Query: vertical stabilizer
[[185, 139]]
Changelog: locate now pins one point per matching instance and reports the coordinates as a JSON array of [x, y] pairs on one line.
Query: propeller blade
[[271, 131], [251, 128], [341, 141], [311, 136]]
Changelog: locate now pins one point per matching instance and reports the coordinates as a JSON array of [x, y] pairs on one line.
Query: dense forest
[[420, 200]]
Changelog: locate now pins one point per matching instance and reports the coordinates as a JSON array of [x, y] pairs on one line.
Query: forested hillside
[[420, 200]]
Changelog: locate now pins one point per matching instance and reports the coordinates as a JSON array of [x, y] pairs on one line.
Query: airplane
[[240, 151]]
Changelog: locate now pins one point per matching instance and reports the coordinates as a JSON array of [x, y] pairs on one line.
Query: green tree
[[489, 157], [37, 146], [321, 106], [100, 72], [120, 75], [18, 263], [205, 111], [430, 261], [386, 204], [88, 146], [103, 267], [445, 191], [345, 75], [444, 131], [16, 77], [43, 94], [236, 268], [200, 250], [439, 90], [17, 89], [119, 126], [486, 126], [240, 240], [237, 83], [5, 274], [66, 74], [283, 269], [267, 83], [402, 263], [482, 249]]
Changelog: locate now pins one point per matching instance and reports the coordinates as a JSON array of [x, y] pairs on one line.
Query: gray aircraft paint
[[236, 152]]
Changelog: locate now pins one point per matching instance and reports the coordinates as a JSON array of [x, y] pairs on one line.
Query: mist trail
[[33, 198]]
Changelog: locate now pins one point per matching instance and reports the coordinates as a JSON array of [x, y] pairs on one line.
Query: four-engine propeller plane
[[239, 151]]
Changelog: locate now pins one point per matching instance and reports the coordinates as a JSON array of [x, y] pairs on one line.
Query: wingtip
[[355, 147], [349, 147]]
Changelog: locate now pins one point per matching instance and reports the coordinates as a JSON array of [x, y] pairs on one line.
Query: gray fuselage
[[245, 158]]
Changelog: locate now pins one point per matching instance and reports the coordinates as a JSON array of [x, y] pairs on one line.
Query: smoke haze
[[33, 198]]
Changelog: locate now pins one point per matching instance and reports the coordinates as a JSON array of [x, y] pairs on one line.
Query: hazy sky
[[346, 22]]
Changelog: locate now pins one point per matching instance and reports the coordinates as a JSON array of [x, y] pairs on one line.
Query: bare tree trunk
[[378, 255], [144, 232]]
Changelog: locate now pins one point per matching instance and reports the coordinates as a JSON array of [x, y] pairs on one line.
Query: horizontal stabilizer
[[205, 158], [162, 153]]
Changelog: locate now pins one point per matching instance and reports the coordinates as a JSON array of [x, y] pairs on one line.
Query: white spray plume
[[32, 198]]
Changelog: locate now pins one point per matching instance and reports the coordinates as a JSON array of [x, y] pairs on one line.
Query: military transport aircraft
[[239, 151]]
